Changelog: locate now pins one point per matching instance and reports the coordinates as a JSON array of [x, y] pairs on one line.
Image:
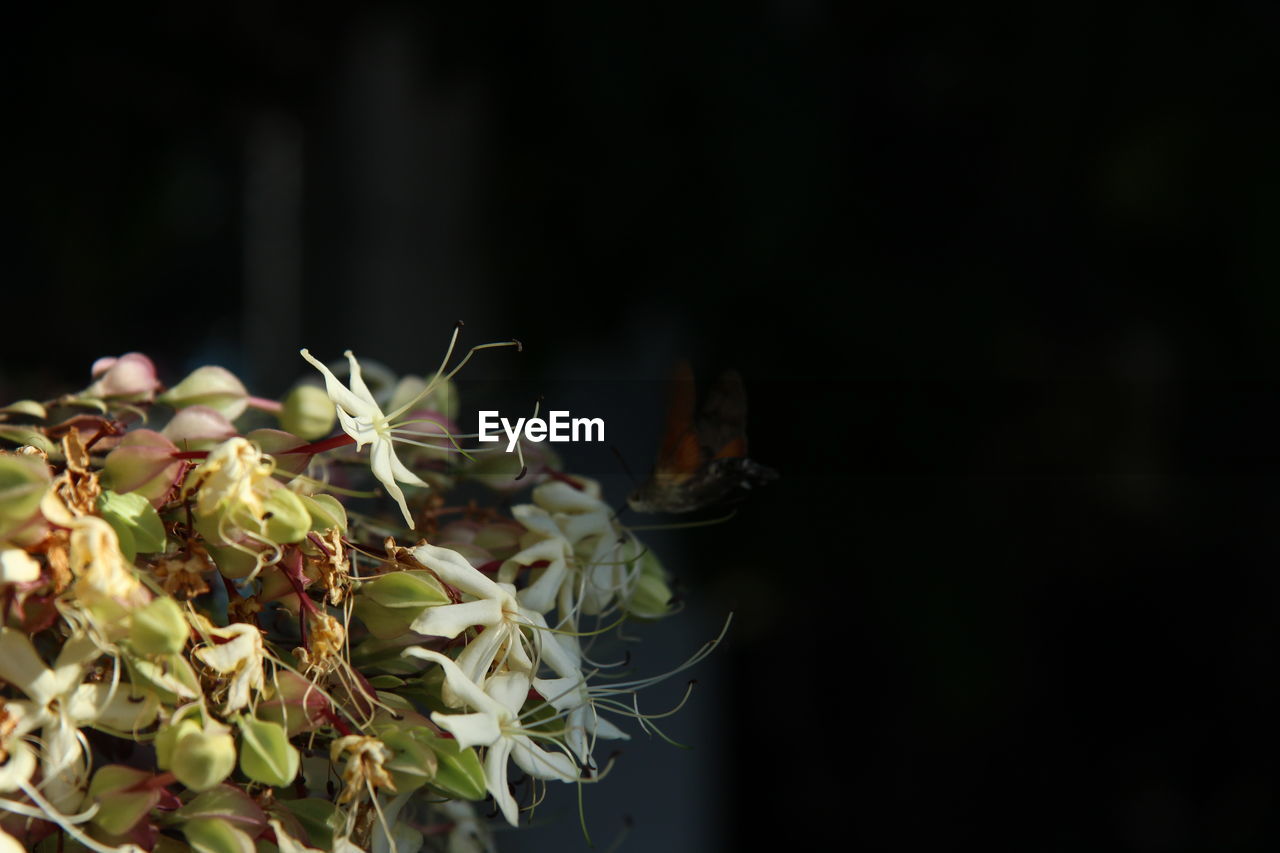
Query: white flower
[[363, 420], [61, 703], [591, 559], [495, 724], [494, 607], [572, 698]]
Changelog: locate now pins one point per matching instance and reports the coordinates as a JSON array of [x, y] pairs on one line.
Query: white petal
[[453, 568], [18, 767], [540, 595], [598, 522], [63, 765], [561, 693], [543, 764], [403, 474], [22, 667], [477, 729], [380, 456], [606, 729], [458, 681], [357, 381], [480, 653], [495, 777], [537, 519], [340, 395], [559, 496], [510, 689], [551, 651], [450, 620]]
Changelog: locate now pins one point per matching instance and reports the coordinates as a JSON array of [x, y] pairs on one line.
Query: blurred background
[[1002, 283]]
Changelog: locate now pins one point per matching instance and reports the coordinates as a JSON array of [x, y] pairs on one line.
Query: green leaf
[[320, 818], [412, 589], [120, 809], [385, 623], [25, 407], [414, 762], [265, 752], [386, 682], [135, 521], [26, 435], [459, 773], [159, 628], [83, 402], [225, 802], [23, 482], [210, 835]]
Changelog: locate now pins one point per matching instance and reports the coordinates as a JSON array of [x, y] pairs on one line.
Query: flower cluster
[[211, 639]]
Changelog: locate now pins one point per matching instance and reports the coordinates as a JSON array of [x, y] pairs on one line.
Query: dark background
[[1002, 282]]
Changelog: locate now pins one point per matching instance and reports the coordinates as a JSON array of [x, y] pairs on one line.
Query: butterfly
[[702, 461]]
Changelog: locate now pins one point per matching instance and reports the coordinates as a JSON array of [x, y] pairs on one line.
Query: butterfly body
[[702, 461]]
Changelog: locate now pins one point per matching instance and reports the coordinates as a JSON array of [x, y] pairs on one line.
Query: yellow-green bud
[[215, 387], [143, 462], [308, 412], [159, 628], [265, 752], [198, 428], [200, 756], [651, 598], [23, 482]]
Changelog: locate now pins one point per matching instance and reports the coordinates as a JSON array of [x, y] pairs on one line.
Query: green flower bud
[[265, 752], [143, 462], [130, 377], [215, 387], [288, 519], [308, 412], [119, 808], [326, 513], [198, 428], [23, 482], [159, 628], [200, 756], [651, 597]]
